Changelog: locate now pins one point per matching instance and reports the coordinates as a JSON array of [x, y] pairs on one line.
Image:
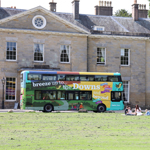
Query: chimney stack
[[139, 11], [52, 6], [142, 11], [135, 11], [75, 6], [104, 8]]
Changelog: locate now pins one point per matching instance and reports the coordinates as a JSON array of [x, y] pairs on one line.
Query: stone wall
[[25, 56], [135, 72], [25, 22]]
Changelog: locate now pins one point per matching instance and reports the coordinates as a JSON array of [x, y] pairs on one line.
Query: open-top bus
[[56, 90]]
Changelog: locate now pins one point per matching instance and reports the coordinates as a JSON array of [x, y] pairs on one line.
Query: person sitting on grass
[[129, 111], [138, 110], [147, 113], [126, 110]]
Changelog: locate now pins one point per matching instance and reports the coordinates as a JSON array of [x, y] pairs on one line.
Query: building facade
[[40, 39]]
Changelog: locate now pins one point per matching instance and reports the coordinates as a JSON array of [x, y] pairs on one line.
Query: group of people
[[137, 111]]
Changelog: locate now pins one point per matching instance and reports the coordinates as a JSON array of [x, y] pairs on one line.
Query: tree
[[123, 13]]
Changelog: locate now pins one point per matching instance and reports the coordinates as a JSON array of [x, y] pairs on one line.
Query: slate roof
[[113, 25], [6, 12]]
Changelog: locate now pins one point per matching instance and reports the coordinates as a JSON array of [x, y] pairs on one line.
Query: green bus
[[59, 90]]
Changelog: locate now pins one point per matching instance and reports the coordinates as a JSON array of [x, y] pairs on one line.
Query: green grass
[[73, 131]]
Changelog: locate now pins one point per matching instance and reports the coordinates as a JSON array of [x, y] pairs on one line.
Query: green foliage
[[149, 9], [122, 13], [149, 13], [74, 131]]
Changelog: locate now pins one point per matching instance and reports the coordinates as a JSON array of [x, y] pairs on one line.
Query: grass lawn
[[74, 131]]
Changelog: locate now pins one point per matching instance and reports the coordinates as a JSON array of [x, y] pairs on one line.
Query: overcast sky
[[86, 6]]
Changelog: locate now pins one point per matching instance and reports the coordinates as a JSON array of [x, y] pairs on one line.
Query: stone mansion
[[41, 39]]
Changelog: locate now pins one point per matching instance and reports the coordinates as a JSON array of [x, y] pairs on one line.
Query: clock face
[[39, 22]]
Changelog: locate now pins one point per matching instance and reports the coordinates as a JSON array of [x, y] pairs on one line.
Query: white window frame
[[34, 51], [96, 28], [6, 51], [104, 58], [128, 91], [68, 55], [15, 91], [44, 21], [128, 57]]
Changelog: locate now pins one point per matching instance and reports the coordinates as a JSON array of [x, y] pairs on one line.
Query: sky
[[86, 6]]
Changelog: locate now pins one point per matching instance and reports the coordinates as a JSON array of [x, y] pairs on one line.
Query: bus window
[[61, 94], [38, 95], [114, 79], [91, 78], [61, 77], [84, 78], [116, 96], [49, 77], [70, 95], [34, 77], [76, 95], [49, 95], [72, 78], [100, 78], [85, 95], [21, 77]]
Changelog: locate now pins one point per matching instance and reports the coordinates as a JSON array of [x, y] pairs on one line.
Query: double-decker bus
[[57, 90]]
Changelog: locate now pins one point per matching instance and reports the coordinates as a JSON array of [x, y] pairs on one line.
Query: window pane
[[113, 79], [64, 56], [101, 55], [126, 89], [11, 51], [124, 57], [86, 95], [100, 78], [10, 88], [61, 94], [83, 78], [38, 52], [38, 95], [116, 96], [34, 77], [76, 95], [49, 77], [70, 96], [49, 95], [61, 77]]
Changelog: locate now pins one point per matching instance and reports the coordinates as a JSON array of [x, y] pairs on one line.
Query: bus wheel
[[48, 108], [101, 108]]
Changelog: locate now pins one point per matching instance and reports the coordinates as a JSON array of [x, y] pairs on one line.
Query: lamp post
[[3, 82]]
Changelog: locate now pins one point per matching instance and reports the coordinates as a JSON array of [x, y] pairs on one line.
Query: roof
[[72, 73], [113, 25], [6, 12]]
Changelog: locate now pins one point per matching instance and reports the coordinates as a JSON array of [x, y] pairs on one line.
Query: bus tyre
[[48, 108], [101, 108]]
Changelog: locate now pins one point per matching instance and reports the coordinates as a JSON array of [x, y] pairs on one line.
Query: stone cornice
[[119, 37], [41, 32], [40, 8], [94, 36]]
